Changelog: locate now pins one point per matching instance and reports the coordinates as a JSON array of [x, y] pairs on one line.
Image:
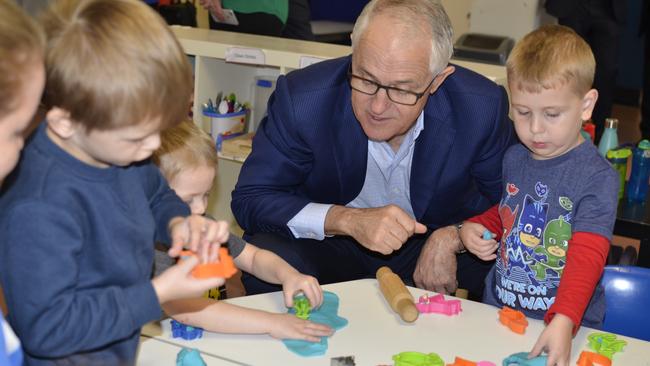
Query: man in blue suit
[[360, 158]]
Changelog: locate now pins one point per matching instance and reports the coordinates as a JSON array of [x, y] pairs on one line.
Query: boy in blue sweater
[[84, 207], [22, 77]]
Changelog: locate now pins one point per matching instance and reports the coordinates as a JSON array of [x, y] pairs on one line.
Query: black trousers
[[338, 259], [645, 100], [254, 23], [298, 22], [596, 24]]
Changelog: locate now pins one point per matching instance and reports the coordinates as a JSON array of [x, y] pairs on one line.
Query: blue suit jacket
[[311, 148]]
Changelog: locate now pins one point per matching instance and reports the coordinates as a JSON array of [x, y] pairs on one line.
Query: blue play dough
[[189, 357], [521, 359], [326, 314]]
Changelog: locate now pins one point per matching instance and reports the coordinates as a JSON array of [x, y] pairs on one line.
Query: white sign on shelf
[[309, 60], [254, 56]]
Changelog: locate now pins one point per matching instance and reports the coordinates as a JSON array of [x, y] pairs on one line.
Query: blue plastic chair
[[627, 297]]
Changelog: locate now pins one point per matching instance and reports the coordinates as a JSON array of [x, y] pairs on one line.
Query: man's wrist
[[460, 249], [335, 220]]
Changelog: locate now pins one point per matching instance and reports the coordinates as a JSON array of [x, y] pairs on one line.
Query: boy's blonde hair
[[114, 63], [184, 147], [549, 57], [22, 44]]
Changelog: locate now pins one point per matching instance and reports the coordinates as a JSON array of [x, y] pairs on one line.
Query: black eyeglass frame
[[388, 88]]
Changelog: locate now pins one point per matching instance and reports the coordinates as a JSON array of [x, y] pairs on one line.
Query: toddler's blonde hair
[[549, 57], [184, 147]]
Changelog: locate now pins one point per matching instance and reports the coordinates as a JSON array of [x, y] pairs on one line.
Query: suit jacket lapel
[[432, 148], [351, 154]]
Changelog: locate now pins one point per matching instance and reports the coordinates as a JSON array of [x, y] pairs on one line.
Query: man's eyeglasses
[[397, 95]]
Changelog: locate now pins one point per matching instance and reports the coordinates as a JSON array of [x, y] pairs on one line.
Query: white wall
[[510, 18]]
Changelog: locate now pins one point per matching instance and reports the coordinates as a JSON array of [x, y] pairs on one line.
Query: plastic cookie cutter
[[302, 307], [417, 359], [605, 344], [224, 268], [513, 319], [593, 359], [463, 362], [487, 235], [438, 304], [189, 357], [184, 331], [521, 359]]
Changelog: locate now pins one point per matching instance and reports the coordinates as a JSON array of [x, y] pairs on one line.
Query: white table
[[374, 334]]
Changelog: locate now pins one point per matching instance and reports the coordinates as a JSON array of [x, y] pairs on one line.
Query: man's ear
[[59, 122], [588, 104], [437, 81]]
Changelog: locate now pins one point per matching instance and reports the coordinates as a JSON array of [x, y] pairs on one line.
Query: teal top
[[279, 8]]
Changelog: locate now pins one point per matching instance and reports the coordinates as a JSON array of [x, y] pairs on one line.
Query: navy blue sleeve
[[57, 315], [264, 198], [164, 202]]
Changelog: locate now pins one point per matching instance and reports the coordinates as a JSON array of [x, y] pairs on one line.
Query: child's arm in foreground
[[585, 262], [269, 267], [219, 316], [50, 292], [471, 234]]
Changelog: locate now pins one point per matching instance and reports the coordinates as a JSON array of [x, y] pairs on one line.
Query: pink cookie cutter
[[438, 304]]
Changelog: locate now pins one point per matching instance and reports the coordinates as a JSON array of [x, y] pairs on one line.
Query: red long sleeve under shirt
[[584, 265]]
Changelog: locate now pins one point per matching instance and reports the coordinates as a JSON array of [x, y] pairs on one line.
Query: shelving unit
[[229, 62]]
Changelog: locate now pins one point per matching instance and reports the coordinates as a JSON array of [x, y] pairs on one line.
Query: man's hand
[[436, 266], [382, 229]]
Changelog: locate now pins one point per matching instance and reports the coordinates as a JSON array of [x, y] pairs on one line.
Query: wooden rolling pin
[[396, 294]]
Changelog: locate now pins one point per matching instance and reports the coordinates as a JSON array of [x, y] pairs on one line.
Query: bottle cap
[[611, 123], [644, 144], [620, 153]]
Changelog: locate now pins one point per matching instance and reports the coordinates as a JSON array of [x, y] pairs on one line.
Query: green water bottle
[[618, 158]]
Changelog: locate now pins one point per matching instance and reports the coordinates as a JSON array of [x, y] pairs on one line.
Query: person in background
[[22, 77], [299, 21], [262, 17], [559, 199], [188, 160], [600, 23], [644, 30], [367, 161], [83, 208]]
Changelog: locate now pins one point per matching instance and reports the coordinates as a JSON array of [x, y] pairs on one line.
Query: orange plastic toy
[[225, 267], [462, 362], [513, 319], [593, 359]]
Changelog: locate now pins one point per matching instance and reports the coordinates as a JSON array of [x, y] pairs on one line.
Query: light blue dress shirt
[[388, 181]]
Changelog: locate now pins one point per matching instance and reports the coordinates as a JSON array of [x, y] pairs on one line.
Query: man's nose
[[379, 102]]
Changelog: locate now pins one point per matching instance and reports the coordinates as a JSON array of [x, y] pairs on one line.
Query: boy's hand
[[289, 326], [296, 282], [471, 234], [177, 282], [556, 341], [200, 234]]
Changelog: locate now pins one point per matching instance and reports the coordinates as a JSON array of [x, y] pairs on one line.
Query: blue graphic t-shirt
[[543, 203]]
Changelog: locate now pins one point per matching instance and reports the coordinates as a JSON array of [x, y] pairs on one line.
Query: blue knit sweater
[[76, 252]]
